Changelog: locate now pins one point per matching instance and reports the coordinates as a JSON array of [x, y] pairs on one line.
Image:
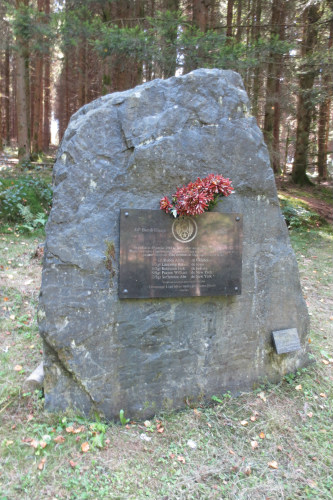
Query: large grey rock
[[127, 150]]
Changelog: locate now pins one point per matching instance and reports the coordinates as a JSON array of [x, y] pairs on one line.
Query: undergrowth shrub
[[26, 201], [298, 216]]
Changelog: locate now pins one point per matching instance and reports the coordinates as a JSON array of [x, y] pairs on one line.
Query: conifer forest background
[[57, 55]]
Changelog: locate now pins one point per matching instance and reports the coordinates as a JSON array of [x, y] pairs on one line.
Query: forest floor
[[318, 197], [272, 443]]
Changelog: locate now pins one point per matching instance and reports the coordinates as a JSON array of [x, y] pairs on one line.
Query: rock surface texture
[[127, 150]]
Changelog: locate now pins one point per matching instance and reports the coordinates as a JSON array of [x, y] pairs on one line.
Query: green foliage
[[171, 42], [297, 214], [122, 418], [31, 221], [25, 200], [32, 28]]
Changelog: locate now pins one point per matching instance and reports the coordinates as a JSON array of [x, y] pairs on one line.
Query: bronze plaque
[[190, 256], [286, 340]]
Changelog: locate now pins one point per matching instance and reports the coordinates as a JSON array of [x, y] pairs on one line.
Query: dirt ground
[[311, 195]]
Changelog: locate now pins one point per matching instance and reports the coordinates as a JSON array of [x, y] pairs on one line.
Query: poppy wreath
[[197, 197]]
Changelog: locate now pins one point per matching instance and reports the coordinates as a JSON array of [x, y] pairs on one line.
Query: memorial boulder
[[140, 314]]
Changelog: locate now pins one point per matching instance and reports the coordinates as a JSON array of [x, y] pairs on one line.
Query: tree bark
[[47, 91], [230, 6], [36, 105], [239, 21], [272, 106], [324, 113], [257, 80], [7, 94], [304, 104], [22, 94]]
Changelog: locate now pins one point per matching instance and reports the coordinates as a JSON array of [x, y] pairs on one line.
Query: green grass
[[203, 453]]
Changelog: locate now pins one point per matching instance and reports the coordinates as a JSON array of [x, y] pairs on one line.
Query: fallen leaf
[[172, 455], [244, 422], [312, 483], [6, 299], [253, 418], [310, 414], [254, 445], [59, 439], [322, 395], [279, 448], [160, 429], [298, 387], [42, 444], [231, 452], [72, 463], [262, 435], [273, 464], [247, 471], [78, 430], [127, 426], [85, 447], [181, 459], [70, 429], [209, 425], [8, 333], [30, 417], [147, 423], [34, 443], [197, 412], [12, 316], [107, 441], [18, 368], [42, 463], [314, 459], [262, 396], [13, 427], [8, 442]]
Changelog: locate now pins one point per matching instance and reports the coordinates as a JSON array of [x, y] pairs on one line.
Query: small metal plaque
[[190, 256], [286, 340]]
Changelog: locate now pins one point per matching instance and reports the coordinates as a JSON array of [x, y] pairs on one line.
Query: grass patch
[[283, 451]]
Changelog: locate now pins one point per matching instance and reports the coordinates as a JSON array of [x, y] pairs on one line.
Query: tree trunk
[[169, 65], [257, 79], [1, 104], [7, 95], [247, 41], [201, 14], [124, 72], [230, 6], [82, 53], [22, 108], [304, 104], [324, 113], [47, 91], [239, 21], [272, 106], [36, 104], [22, 94]]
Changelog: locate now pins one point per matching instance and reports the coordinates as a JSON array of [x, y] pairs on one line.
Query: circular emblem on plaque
[[184, 230]]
